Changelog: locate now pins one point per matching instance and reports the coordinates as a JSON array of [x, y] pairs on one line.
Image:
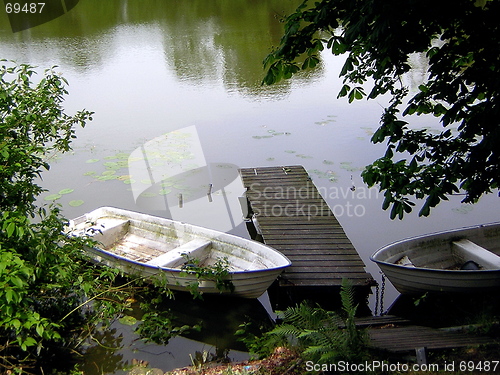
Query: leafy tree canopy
[[461, 40]]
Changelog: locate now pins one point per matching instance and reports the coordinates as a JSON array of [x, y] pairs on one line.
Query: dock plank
[[410, 337], [399, 335], [293, 217]]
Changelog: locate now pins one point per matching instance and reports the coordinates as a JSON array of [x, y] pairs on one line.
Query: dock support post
[[421, 355]]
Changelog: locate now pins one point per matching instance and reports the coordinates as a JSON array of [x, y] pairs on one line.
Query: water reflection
[[108, 341], [189, 325], [203, 42]]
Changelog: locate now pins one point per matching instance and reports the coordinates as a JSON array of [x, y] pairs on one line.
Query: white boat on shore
[[149, 246], [463, 260]]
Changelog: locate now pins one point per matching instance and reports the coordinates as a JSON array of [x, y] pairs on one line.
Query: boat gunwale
[[176, 270]]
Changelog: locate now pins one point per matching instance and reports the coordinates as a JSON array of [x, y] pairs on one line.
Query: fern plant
[[320, 335]]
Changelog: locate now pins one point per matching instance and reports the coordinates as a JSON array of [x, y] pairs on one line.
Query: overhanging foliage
[[461, 40]]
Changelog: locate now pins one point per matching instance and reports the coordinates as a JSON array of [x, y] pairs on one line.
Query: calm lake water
[[175, 87]]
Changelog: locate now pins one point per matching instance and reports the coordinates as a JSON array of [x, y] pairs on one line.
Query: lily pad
[[122, 155], [89, 173], [347, 165], [165, 191], [76, 203], [66, 191], [303, 156], [106, 177], [52, 197], [328, 162], [90, 161], [128, 320], [110, 164]]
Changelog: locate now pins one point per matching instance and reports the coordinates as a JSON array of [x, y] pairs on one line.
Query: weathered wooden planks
[[398, 335], [409, 337], [291, 215]]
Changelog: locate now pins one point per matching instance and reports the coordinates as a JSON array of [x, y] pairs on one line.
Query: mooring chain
[[382, 290], [379, 297]]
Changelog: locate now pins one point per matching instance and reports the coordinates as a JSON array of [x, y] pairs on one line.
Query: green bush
[[319, 335], [45, 281]]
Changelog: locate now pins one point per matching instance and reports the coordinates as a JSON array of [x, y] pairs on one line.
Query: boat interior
[[460, 254], [169, 249]]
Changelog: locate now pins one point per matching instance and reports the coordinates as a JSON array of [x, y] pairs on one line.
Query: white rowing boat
[[463, 260], [150, 246]]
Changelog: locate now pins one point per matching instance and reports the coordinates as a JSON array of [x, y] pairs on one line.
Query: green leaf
[[66, 191], [76, 203], [9, 295], [10, 229], [17, 281], [27, 342], [356, 93], [480, 3], [425, 210], [107, 177], [128, 320], [40, 329], [339, 48], [52, 197], [15, 323], [343, 92]]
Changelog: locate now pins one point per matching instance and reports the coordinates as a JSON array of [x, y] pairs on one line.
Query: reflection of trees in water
[[203, 41], [207, 41], [103, 357], [213, 320]]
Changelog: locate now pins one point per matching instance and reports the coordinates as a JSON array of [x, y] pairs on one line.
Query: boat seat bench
[[109, 233], [174, 258], [471, 251]]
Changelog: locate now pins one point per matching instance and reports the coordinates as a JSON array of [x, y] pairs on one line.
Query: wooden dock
[[291, 216], [398, 335], [411, 337]]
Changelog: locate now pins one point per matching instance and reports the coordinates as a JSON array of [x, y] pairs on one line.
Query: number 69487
[[24, 7]]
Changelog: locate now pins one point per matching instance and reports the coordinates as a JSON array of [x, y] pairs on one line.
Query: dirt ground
[[286, 362], [282, 362]]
